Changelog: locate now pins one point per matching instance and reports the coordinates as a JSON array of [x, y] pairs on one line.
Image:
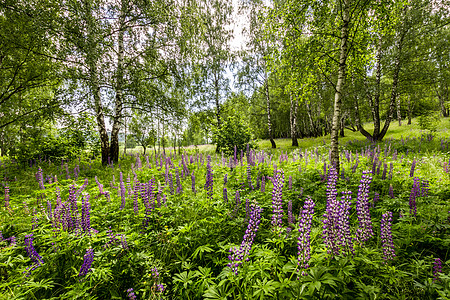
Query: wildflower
[[87, 262], [6, 196], [365, 231], [32, 254], [304, 239], [386, 236], [225, 195], [209, 178], [238, 255], [413, 167], [130, 294], [249, 177], [277, 194], [122, 192], [193, 182], [437, 268]]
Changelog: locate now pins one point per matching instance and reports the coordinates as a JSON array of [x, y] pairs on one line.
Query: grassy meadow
[[261, 224]]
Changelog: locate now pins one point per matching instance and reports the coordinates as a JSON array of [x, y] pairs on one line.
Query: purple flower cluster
[[289, 212], [413, 167], [365, 230], [159, 287], [437, 268], [304, 239], [177, 178], [137, 188], [87, 262], [277, 199], [193, 182], [415, 192], [225, 195], [336, 226], [130, 294], [238, 255], [6, 196], [249, 176], [209, 178], [40, 179], [386, 236], [122, 191], [32, 254]]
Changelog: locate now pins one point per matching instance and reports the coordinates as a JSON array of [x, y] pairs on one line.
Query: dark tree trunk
[[293, 120], [114, 147]]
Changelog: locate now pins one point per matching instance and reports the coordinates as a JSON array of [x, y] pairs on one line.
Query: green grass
[[395, 132]]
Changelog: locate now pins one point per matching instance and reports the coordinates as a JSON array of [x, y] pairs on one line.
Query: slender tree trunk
[[409, 110], [293, 120], [334, 155], [269, 119], [399, 112], [114, 147], [99, 115], [217, 99]]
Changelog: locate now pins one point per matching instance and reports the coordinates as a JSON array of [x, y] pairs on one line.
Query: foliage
[[233, 133], [429, 121]]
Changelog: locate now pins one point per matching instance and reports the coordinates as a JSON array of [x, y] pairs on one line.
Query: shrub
[[232, 133], [429, 121]]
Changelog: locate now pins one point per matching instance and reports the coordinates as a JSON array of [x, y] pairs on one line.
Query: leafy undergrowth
[[178, 227]]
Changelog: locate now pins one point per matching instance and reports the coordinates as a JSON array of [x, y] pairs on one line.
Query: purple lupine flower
[[177, 177], [159, 287], [100, 186], [193, 182], [249, 176], [58, 196], [32, 254], [49, 209], [74, 222], [383, 176], [225, 195], [87, 262], [247, 209], [225, 179], [123, 241], [137, 188], [40, 178], [238, 255], [391, 191], [6, 196], [413, 167], [424, 188], [263, 184], [415, 192], [86, 214], [209, 178], [290, 215], [122, 191], [365, 231], [277, 200], [130, 294], [304, 239], [171, 183], [376, 198], [386, 236], [290, 182], [138, 162], [129, 188], [35, 220], [336, 227], [437, 268], [391, 169]]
